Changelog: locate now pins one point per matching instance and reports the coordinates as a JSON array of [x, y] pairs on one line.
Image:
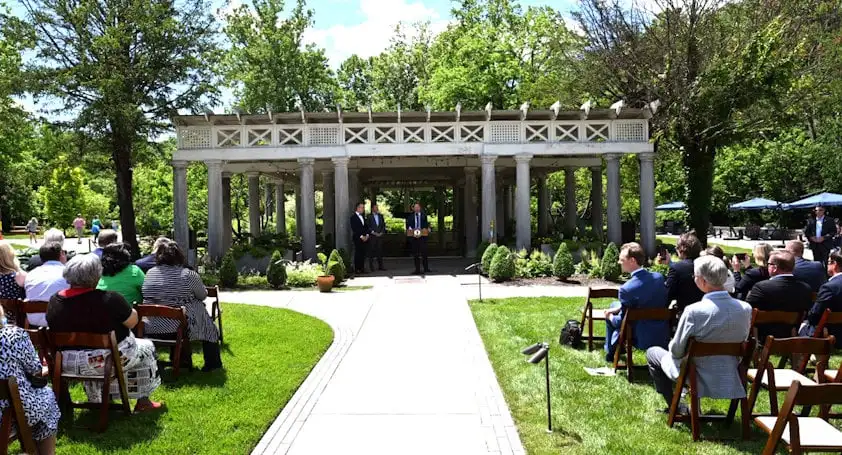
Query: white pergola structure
[[502, 150]]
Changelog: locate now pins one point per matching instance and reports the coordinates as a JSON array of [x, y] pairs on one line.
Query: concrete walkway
[[407, 373]]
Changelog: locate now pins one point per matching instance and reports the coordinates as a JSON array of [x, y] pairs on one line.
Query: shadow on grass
[[134, 430]]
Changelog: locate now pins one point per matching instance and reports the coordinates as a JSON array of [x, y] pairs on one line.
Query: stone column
[[181, 223], [508, 205], [470, 212], [328, 206], [308, 208], [298, 206], [280, 207], [215, 228], [612, 165], [596, 200], [500, 211], [457, 233], [488, 228], [254, 203], [227, 232], [570, 209], [647, 203], [523, 215], [543, 206], [341, 206]]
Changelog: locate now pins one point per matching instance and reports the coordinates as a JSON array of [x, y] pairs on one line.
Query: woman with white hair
[[83, 308], [52, 235]]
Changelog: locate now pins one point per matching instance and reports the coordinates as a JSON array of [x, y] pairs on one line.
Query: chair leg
[[219, 322], [745, 416], [755, 390], [176, 356], [694, 410], [106, 399], [676, 399], [590, 332], [629, 357], [732, 411]]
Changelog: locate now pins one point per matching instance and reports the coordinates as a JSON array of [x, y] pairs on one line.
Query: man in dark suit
[[829, 296], [810, 272], [377, 227], [820, 232], [781, 292], [680, 283], [359, 234], [417, 221]]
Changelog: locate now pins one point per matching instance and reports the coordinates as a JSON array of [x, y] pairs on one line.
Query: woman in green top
[[119, 274]]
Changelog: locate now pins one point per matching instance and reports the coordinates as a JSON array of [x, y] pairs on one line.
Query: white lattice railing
[[495, 132]]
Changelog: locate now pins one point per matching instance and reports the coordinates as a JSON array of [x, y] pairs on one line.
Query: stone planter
[[250, 264], [325, 283]]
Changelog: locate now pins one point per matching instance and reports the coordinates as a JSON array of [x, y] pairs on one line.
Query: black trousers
[[359, 255], [210, 351], [821, 250], [375, 251], [419, 252]]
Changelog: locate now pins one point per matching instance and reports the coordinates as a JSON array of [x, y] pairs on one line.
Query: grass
[[267, 354], [729, 250], [604, 415]]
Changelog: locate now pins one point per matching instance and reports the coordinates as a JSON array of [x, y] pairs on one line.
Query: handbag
[[37, 382]]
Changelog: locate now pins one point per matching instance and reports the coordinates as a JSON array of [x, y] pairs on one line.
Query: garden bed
[[574, 281]]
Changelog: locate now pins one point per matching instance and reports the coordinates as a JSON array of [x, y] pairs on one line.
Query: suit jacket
[[746, 280], [378, 228], [828, 230], [811, 272], [358, 227], [784, 293], [646, 289], [146, 263], [829, 297], [680, 284], [718, 318], [410, 221]]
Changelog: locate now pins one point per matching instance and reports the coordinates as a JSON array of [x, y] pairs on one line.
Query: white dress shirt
[[819, 223], [41, 284]]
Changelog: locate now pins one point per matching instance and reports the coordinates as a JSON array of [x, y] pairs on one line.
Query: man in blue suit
[[829, 297], [810, 272], [644, 289]]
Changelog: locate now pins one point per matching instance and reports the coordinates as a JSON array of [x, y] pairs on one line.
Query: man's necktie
[[417, 221]]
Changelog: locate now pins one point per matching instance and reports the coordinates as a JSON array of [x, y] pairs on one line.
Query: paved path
[[407, 373]]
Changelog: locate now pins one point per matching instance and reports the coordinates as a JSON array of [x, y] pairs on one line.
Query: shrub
[[337, 267], [302, 274], [346, 259], [487, 257], [481, 248], [610, 266], [276, 273], [540, 264], [663, 269], [228, 274], [502, 266], [522, 269], [563, 263]]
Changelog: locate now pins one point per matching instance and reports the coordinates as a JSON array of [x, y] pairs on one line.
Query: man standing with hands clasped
[[360, 236], [417, 222], [377, 227], [820, 232]]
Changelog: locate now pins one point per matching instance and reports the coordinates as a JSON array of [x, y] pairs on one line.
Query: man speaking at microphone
[[417, 223]]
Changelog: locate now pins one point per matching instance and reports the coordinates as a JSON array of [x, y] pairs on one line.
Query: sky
[[362, 27]]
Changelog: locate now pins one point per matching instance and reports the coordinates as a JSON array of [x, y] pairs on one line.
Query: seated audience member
[[716, 251], [82, 308], [810, 272], [106, 237], [12, 277], [829, 297], [119, 274], [45, 281], [20, 360], [52, 235], [752, 275], [717, 318], [679, 281], [781, 292], [172, 283], [147, 262], [644, 289]]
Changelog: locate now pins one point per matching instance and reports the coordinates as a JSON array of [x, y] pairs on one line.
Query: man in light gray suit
[[718, 318]]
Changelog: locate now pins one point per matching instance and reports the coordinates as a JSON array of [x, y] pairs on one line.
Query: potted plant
[[325, 280]]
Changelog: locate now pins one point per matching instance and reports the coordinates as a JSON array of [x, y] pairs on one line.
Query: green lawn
[[267, 355], [604, 415]]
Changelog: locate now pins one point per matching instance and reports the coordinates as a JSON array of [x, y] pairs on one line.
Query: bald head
[[796, 247]]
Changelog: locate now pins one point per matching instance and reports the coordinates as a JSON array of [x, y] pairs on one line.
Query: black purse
[[38, 382]]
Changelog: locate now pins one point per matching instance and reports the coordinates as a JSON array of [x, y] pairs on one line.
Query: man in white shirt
[[820, 231], [46, 280]]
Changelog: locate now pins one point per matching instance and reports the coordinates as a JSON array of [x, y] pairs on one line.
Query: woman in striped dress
[[171, 283]]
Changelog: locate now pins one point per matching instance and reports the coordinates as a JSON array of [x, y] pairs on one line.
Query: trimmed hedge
[[502, 266], [487, 257], [336, 267], [563, 263], [276, 272], [228, 274], [610, 266]]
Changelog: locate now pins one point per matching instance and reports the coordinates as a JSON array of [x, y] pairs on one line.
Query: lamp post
[[479, 276], [541, 351]]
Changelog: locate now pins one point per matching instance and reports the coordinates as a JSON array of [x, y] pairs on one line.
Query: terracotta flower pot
[[325, 283]]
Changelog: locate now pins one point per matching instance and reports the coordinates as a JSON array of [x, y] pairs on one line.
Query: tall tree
[[354, 78], [269, 66], [399, 70], [123, 67]]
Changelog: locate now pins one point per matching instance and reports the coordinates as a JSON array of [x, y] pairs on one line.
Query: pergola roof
[[407, 117]]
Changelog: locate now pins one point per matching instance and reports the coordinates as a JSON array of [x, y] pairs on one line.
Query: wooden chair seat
[[626, 338], [816, 433], [783, 378], [590, 314], [830, 376]]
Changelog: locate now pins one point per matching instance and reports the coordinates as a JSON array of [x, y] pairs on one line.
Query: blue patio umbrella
[[677, 205], [825, 199], [757, 203]]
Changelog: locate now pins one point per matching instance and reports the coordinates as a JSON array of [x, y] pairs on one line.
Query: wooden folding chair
[[42, 346], [626, 338], [32, 307], [12, 310], [828, 318], [178, 314], [761, 317], [695, 349], [113, 369], [216, 309], [9, 391], [589, 314], [778, 379], [804, 434]]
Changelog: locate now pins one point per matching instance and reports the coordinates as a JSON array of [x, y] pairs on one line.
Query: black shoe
[[209, 368], [417, 272], [428, 271], [609, 358]]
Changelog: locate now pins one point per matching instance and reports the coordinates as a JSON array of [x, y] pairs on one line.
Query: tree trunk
[[698, 171], [121, 154]]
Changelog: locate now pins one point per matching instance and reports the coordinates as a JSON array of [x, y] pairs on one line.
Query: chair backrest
[[9, 391], [11, 306], [82, 340], [213, 291], [822, 395], [42, 345], [760, 317], [649, 314], [797, 345], [600, 293], [160, 311], [828, 318], [741, 349]]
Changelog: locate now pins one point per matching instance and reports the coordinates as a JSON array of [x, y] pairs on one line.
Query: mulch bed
[[575, 280]]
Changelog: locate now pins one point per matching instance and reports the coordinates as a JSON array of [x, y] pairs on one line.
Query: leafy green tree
[[64, 195], [122, 68], [398, 71], [354, 77]]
